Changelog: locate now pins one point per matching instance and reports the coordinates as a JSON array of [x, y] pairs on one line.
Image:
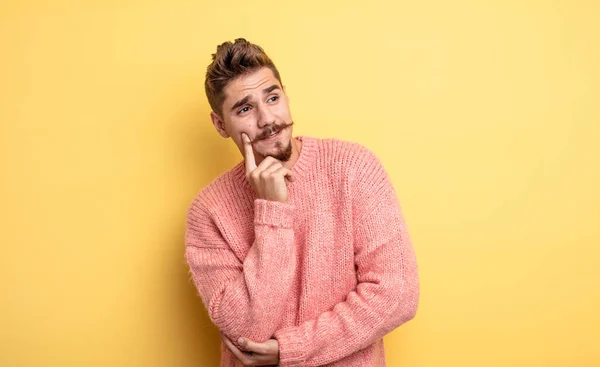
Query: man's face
[[256, 104]]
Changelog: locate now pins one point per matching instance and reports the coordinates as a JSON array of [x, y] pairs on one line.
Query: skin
[[255, 106], [263, 113], [254, 354]]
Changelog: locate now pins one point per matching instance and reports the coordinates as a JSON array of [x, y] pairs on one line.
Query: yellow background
[[485, 114]]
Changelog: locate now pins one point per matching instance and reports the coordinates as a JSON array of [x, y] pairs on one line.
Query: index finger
[[248, 154]]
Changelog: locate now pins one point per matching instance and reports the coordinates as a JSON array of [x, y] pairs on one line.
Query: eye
[[245, 109], [274, 98]]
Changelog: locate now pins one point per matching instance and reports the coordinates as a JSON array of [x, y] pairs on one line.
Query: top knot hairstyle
[[229, 62]]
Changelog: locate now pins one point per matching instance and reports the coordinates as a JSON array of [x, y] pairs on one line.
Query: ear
[[219, 124]]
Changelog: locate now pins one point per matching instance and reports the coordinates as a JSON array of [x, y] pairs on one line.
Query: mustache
[[271, 129]]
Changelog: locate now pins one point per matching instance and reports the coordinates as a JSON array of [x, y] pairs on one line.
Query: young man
[[300, 252]]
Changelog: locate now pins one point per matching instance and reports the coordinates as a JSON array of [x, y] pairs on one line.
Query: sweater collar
[[306, 157]]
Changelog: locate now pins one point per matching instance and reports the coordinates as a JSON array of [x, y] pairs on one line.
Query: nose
[[265, 117]]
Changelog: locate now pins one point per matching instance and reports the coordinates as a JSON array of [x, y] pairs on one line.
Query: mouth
[[272, 136]]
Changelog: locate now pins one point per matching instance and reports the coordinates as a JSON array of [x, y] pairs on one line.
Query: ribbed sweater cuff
[[273, 213], [291, 345]]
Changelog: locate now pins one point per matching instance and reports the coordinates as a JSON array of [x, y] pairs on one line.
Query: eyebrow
[[245, 100]]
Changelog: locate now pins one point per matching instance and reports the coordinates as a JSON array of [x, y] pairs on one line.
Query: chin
[[283, 151]]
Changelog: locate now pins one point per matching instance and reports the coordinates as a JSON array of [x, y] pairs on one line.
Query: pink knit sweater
[[327, 274]]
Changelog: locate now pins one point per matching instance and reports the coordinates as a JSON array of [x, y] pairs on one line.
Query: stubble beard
[[284, 153]]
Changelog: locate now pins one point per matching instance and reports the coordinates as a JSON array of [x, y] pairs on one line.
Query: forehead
[[249, 84]]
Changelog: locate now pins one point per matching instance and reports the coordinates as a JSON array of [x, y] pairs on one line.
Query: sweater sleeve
[[243, 298], [387, 292]]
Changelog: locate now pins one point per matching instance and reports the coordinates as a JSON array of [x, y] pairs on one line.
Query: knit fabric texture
[[327, 274]]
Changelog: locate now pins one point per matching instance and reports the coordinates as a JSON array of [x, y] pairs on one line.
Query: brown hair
[[229, 62]]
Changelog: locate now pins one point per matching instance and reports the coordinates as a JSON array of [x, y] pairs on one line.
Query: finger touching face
[[248, 154], [256, 104]]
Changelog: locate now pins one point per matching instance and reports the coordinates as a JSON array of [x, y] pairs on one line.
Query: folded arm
[[243, 298], [388, 287]]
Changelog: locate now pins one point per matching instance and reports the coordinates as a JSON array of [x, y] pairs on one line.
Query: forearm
[[252, 305], [371, 311], [248, 299]]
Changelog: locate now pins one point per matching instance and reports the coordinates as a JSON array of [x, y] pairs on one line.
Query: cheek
[[282, 111]]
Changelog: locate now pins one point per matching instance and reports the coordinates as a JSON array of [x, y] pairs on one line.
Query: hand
[[255, 354], [268, 179]]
